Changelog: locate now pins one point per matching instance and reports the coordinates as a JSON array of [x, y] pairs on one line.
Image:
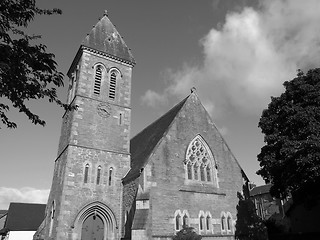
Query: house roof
[[143, 144], [105, 38], [260, 190], [24, 216]]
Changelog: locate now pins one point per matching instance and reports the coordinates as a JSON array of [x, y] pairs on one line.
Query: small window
[[98, 175], [229, 222], [208, 222], [52, 214], [110, 176], [97, 80], [178, 219], [201, 222], [185, 220], [223, 219], [112, 85], [86, 172]]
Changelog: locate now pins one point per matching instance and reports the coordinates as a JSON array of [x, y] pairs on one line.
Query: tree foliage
[[187, 233], [290, 159], [27, 71], [249, 226]]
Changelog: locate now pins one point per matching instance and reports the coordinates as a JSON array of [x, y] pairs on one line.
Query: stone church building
[[177, 171]]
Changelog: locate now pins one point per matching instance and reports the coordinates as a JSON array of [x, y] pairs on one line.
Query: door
[[92, 228]]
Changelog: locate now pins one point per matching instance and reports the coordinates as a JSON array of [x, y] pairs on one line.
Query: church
[[176, 172]]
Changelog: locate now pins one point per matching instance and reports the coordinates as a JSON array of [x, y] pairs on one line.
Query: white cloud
[[25, 195], [152, 99], [249, 57]]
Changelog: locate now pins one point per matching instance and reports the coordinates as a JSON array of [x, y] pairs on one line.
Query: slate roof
[[143, 144], [105, 38], [24, 216], [260, 190]]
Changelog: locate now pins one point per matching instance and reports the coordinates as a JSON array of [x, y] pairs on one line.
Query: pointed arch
[[98, 73], [100, 211], [86, 173], [200, 158], [99, 172]]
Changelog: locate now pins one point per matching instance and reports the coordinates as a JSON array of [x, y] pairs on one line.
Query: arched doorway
[[95, 221], [92, 228]]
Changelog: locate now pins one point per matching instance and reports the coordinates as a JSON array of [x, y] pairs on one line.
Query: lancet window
[[199, 163], [99, 175], [97, 80], [113, 78], [86, 173]]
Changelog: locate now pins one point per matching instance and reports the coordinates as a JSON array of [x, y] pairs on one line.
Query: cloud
[[25, 195], [247, 59], [151, 98]]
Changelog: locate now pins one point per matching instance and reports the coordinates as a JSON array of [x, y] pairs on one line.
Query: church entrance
[[92, 228]]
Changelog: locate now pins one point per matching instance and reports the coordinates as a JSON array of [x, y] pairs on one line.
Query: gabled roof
[[105, 38], [24, 216], [260, 190], [143, 144]]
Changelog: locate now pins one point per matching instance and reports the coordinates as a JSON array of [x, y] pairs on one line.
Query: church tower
[[93, 153]]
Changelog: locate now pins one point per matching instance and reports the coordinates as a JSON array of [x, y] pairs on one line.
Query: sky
[[237, 53]]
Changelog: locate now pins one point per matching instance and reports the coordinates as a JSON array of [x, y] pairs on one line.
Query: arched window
[[110, 176], [229, 222], [200, 159], [223, 220], [98, 174], [86, 173], [113, 83], [52, 214], [201, 222], [185, 220], [178, 220], [208, 222], [97, 80]]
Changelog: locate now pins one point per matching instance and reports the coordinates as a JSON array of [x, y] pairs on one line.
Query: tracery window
[[97, 80], [199, 163]]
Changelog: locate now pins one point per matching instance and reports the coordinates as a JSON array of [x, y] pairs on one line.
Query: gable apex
[[105, 38]]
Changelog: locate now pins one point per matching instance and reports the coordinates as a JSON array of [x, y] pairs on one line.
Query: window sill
[[206, 189]]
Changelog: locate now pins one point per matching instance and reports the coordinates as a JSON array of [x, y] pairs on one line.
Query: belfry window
[[97, 80], [86, 173], [199, 162], [98, 175], [113, 84]]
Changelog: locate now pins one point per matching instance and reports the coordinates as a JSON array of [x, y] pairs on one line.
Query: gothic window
[[98, 175], [86, 173], [208, 222], [110, 176], [178, 220], [223, 219], [97, 80], [200, 164], [229, 222], [113, 84], [185, 220], [201, 222]]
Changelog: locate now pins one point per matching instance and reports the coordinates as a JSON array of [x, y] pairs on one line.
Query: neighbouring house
[[266, 205], [22, 220]]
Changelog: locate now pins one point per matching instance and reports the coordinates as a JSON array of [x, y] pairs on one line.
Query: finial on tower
[[193, 89], [105, 13]]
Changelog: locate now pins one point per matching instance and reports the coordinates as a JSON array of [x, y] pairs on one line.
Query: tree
[[27, 71], [290, 159], [249, 226], [187, 233]]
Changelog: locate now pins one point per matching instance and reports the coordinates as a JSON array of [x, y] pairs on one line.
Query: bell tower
[[93, 153]]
